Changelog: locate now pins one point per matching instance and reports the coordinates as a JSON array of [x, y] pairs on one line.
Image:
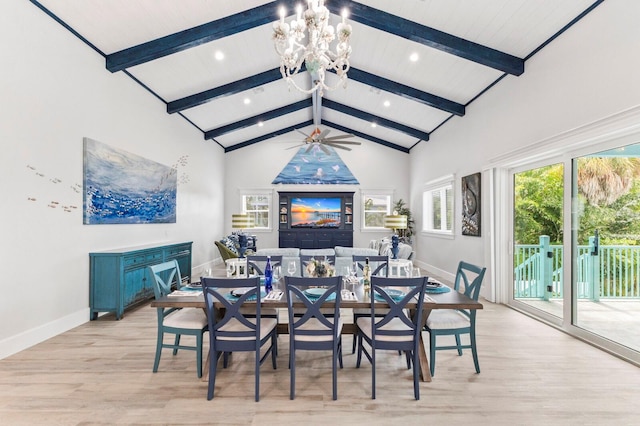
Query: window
[[438, 206], [374, 208], [258, 206]]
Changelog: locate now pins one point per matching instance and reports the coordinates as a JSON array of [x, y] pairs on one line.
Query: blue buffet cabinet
[[119, 278]]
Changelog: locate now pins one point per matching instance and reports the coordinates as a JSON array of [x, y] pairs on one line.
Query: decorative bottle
[[268, 276], [366, 277]]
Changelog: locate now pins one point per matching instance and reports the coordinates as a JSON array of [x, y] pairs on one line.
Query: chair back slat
[[471, 276], [295, 287], [258, 263], [414, 291], [164, 276], [379, 264], [218, 290]]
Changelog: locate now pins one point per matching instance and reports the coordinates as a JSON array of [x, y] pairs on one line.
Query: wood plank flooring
[[100, 373]]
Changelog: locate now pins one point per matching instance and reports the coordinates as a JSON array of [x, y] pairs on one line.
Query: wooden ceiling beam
[[195, 36], [363, 115], [252, 121], [428, 36]]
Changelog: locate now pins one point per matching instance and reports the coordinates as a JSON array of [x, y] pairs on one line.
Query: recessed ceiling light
[[247, 101], [413, 57], [219, 55], [387, 104], [260, 124], [374, 125]]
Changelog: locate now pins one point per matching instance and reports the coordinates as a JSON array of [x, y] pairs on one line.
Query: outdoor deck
[[617, 320]]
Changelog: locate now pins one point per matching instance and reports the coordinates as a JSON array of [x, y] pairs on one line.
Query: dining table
[[447, 299]]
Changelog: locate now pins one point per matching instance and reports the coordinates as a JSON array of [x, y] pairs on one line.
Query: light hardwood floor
[[100, 373]]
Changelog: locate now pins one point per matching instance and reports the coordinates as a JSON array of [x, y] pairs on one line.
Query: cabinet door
[[324, 239], [288, 239], [307, 239], [135, 286]]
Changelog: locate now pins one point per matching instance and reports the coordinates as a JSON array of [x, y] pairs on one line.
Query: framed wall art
[[471, 205], [120, 187]]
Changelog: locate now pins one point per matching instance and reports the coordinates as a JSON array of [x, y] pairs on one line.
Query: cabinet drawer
[[143, 259]]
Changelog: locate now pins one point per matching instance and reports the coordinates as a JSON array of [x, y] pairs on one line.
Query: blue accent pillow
[[228, 243]]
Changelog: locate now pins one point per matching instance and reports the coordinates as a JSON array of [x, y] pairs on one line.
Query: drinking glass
[[291, 268], [277, 275], [208, 272], [415, 273], [354, 269]]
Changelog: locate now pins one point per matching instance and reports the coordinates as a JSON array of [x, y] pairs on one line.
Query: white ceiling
[[517, 28]]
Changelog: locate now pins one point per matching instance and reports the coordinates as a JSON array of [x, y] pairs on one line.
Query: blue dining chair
[[451, 322], [379, 267], [185, 321], [231, 329], [317, 329], [393, 329]]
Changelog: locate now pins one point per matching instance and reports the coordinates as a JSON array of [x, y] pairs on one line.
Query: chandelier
[[316, 55]]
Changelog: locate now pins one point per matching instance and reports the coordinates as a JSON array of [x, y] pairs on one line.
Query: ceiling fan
[[319, 138]]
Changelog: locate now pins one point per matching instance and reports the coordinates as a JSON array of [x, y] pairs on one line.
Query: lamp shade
[[395, 221], [241, 221]]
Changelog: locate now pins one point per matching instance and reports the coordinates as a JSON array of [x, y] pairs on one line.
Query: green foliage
[[539, 202], [402, 209]]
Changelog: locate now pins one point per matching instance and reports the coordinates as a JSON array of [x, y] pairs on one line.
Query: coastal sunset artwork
[[314, 212], [124, 188], [311, 165]]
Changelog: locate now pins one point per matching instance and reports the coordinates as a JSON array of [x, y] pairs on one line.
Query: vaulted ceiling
[[415, 63]]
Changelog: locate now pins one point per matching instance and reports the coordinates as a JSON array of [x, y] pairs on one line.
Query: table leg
[[425, 372]]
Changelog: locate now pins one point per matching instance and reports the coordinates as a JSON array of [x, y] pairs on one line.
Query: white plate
[[315, 292], [240, 291]]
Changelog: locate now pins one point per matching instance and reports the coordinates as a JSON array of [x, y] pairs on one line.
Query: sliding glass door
[[538, 238], [606, 244]]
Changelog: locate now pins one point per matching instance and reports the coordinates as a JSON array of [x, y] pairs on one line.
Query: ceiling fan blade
[[324, 133], [324, 149], [338, 146], [302, 133], [339, 136], [296, 146], [343, 142]]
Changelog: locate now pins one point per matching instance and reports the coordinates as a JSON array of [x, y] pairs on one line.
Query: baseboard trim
[[29, 338]]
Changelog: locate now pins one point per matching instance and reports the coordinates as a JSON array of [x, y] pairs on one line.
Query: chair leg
[[213, 362], [432, 353], [408, 355], [199, 354], [257, 375], [292, 369], [334, 372], [274, 351], [156, 363], [176, 343], [373, 371], [458, 344], [359, 351], [474, 350], [340, 352], [416, 378]]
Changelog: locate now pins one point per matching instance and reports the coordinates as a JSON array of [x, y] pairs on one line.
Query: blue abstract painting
[[120, 187], [311, 165]]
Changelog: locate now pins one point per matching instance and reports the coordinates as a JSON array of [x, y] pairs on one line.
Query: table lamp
[[242, 221], [395, 221]]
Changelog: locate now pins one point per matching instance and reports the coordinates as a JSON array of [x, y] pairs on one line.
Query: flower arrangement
[[320, 268]]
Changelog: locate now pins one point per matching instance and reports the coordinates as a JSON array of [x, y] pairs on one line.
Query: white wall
[[589, 72], [56, 90], [255, 167]]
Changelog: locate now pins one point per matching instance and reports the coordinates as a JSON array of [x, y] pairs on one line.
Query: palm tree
[[602, 180]]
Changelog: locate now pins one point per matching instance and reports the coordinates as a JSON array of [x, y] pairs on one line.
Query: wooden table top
[[449, 300]]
